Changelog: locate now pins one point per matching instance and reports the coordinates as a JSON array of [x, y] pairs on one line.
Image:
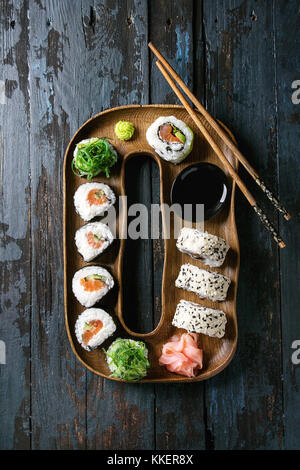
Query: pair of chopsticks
[[167, 70]]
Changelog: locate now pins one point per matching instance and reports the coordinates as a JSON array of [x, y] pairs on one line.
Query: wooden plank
[[119, 416], [247, 397], [57, 108], [171, 31], [287, 43], [14, 227]]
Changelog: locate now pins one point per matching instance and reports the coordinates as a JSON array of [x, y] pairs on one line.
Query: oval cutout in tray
[[217, 352], [139, 258]]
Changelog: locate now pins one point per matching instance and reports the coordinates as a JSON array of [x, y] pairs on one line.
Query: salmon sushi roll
[[93, 327], [92, 239], [93, 199], [90, 284], [171, 138]]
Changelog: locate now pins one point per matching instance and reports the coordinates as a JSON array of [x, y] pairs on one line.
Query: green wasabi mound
[[127, 359], [124, 130]]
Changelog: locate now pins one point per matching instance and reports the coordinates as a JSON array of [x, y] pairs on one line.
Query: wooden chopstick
[[276, 203], [222, 157]]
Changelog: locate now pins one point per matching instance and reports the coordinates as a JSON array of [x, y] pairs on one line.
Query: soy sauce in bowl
[[201, 183]]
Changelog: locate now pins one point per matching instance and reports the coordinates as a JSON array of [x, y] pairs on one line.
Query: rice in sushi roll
[[93, 327], [93, 199], [209, 249], [92, 239], [90, 284], [206, 284], [197, 319], [171, 138]]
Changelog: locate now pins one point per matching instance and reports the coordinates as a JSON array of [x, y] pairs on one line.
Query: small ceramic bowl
[[201, 183]]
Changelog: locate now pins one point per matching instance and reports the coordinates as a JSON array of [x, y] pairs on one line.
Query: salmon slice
[[182, 355], [96, 197], [92, 328], [94, 241], [166, 133], [90, 283]]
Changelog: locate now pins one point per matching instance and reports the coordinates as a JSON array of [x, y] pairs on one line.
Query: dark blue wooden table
[[63, 61]]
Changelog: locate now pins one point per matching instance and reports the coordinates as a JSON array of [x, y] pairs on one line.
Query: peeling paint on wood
[[58, 391], [14, 229]]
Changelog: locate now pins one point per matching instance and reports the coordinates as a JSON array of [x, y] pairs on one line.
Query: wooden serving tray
[[217, 352]]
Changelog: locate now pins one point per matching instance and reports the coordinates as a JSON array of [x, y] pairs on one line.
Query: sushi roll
[[171, 138], [206, 284], [197, 319], [90, 284], [209, 249], [93, 199], [92, 239], [93, 327]]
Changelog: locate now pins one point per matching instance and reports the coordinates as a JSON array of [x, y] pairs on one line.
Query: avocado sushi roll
[[93, 199], [93, 327], [92, 239], [171, 138], [90, 284]]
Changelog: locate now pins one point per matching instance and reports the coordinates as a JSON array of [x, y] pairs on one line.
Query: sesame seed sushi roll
[[197, 319], [93, 199], [92, 239], [93, 327], [209, 249], [206, 284], [90, 284], [171, 138]]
